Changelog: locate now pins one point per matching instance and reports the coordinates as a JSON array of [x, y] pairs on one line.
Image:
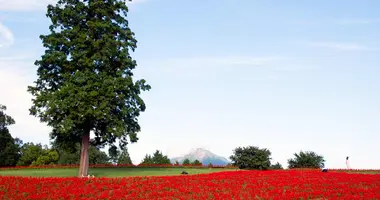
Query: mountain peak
[[203, 155]]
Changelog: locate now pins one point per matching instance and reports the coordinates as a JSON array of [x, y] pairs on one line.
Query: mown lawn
[[110, 172]]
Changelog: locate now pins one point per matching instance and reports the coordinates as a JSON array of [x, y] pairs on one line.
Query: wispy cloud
[[203, 67], [341, 46], [222, 61], [357, 21], [6, 36], [346, 21]]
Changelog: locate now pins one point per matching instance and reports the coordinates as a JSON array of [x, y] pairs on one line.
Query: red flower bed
[[283, 184]]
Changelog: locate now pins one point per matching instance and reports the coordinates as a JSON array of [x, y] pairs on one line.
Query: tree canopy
[[85, 79], [30, 153], [186, 162], [124, 157], [276, 166], [9, 146], [196, 162], [251, 157], [113, 153], [157, 159], [308, 159]]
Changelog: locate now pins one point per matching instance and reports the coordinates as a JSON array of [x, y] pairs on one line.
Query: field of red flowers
[[283, 184]]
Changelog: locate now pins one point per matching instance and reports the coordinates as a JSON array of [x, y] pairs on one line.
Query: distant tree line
[[30, 154], [13, 152], [253, 157]]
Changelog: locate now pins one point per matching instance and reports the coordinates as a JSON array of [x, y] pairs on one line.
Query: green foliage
[[9, 146], [251, 157], [97, 156], [186, 162], [5, 120], [124, 157], [196, 162], [84, 78], [147, 159], [53, 155], [113, 153], [157, 159], [36, 154], [276, 166], [176, 163], [308, 159], [48, 157], [69, 156], [30, 153]]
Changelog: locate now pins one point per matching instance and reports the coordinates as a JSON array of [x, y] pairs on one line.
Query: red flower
[[280, 184]]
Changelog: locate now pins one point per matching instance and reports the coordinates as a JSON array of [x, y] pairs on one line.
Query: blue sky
[[283, 75]]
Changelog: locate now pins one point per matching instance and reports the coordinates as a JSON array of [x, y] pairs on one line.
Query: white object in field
[[347, 163]]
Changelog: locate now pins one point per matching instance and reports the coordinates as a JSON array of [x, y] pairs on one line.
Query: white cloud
[[341, 46], [24, 5], [16, 73], [34, 5], [6, 36]]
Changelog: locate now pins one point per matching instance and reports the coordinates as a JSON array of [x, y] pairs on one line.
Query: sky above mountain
[[283, 75]]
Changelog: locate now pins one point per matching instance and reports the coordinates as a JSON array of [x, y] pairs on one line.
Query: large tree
[[85, 80], [308, 159], [9, 146], [251, 157]]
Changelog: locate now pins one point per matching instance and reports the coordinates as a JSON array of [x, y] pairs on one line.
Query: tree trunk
[[84, 157]]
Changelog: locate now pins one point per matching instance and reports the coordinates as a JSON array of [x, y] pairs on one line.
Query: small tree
[[308, 159], [196, 162], [276, 166], [124, 157], [96, 156], [251, 157], [147, 160], [186, 162], [48, 157], [159, 159]]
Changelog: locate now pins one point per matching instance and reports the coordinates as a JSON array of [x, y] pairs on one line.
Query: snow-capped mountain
[[203, 155]]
